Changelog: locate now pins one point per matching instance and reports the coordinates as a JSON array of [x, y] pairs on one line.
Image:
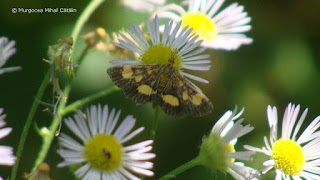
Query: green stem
[[155, 122], [47, 140], [78, 104], [84, 17], [194, 162], [26, 127]]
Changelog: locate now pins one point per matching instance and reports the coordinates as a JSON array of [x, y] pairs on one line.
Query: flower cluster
[[218, 152], [292, 156], [181, 43], [102, 152], [219, 29]]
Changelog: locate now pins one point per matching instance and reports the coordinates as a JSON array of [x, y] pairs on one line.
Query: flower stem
[[84, 17], [192, 163], [26, 127], [47, 140], [78, 104], [154, 127], [155, 122]]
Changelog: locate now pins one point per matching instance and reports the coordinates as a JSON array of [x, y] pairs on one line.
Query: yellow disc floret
[[161, 54], [288, 157], [104, 152], [213, 153], [201, 24]]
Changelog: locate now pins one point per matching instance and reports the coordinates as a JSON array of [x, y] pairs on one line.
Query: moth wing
[[168, 99], [177, 96], [194, 101], [136, 81], [180, 97]]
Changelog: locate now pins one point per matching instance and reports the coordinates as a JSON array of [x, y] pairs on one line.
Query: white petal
[[110, 123], [140, 164], [197, 67], [142, 171], [67, 142], [131, 135], [4, 132], [244, 155], [82, 170], [215, 7], [125, 127], [138, 145], [227, 42], [194, 77], [128, 174]]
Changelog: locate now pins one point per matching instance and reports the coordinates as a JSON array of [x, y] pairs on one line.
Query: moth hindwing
[[162, 85]]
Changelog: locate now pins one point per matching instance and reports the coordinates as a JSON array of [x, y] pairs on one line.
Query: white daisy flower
[[6, 152], [291, 156], [7, 49], [219, 29], [217, 150], [143, 5], [179, 46], [102, 153]]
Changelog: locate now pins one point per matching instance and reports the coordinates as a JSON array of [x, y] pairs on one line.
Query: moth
[[162, 85]]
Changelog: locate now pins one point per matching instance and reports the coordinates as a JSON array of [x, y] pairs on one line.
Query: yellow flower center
[[213, 153], [288, 157], [160, 54], [201, 24], [104, 152]]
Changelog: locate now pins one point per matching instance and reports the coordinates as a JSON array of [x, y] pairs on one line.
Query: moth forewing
[[164, 86], [135, 80]]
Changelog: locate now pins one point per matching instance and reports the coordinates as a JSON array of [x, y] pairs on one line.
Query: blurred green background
[[281, 66]]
